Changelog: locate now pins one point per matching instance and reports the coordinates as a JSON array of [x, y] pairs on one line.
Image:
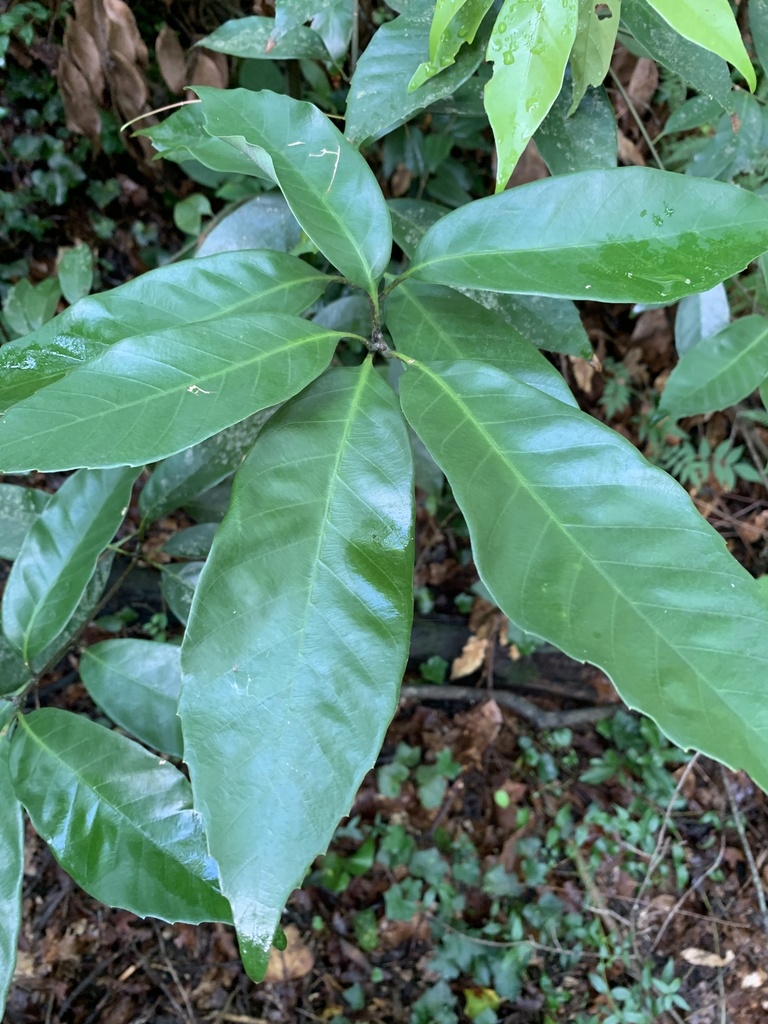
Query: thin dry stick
[[638, 119], [693, 888], [755, 874]]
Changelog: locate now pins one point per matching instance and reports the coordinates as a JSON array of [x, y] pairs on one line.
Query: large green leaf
[[290, 696], [326, 181], [551, 324], [379, 100], [720, 370], [593, 46], [455, 23], [147, 397], [137, 683], [712, 25], [250, 37], [705, 71], [11, 867], [580, 141], [185, 475], [59, 555], [116, 818], [529, 46], [632, 234], [227, 284], [19, 508], [432, 323], [580, 541]]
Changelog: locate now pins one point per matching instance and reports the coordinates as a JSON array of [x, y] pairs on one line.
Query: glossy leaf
[[593, 46], [147, 397], [19, 508], [59, 555], [253, 38], [705, 71], [583, 543], [758, 28], [410, 220], [580, 141], [720, 371], [75, 272], [181, 137], [551, 324], [529, 46], [13, 672], [117, 819], [195, 291], [264, 222], [11, 868], [350, 313], [178, 584], [325, 180], [378, 99], [700, 316], [434, 324], [712, 25], [137, 683], [189, 473], [294, 693], [455, 22], [627, 235]]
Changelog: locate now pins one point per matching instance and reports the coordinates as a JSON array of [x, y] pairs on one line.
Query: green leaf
[[178, 585], [378, 99], [700, 316], [137, 683], [189, 473], [720, 371], [729, 152], [703, 70], [188, 213], [59, 555], [325, 180], [148, 397], [711, 25], [264, 222], [583, 543], [455, 23], [19, 508], [593, 46], [529, 46], [551, 324], [116, 818], [27, 306], [297, 693], [758, 27], [632, 234], [581, 141], [433, 324], [11, 872], [411, 218], [251, 37], [192, 542], [75, 271], [195, 291], [181, 137], [13, 672]]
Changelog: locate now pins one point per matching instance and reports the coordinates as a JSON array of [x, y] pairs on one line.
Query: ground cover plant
[[298, 630]]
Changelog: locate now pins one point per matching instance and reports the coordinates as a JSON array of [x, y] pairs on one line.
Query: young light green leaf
[[593, 46], [455, 23], [632, 234], [581, 542], [117, 819], [705, 71], [148, 397], [379, 100], [297, 692], [254, 38], [191, 472], [700, 316], [435, 324], [712, 25], [195, 291], [264, 222], [19, 508], [11, 869], [580, 141], [59, 555], [529, 46], [328, 185], [75, 270], [720, 371], [137, 683]]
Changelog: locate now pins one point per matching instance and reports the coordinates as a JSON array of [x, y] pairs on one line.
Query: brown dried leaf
[[128, 88], [171, 59], [484, 618], [123, 34], [82, 114], [643, 83], [703, 957], [81, 47], [471, 657], [209, 69], [583, 372], [480, 726], [629, 153], [295, 961]]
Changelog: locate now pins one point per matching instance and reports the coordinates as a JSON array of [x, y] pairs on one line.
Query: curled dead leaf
[[209, 69], [755, 979], [295, 961], [171, 59], [704, 958], [471, 657]]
